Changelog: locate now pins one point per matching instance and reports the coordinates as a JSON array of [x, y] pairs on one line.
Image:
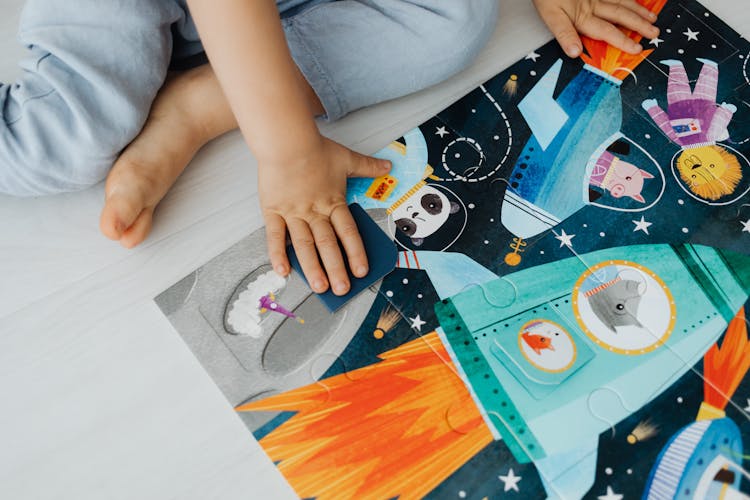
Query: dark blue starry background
[[476, 124]]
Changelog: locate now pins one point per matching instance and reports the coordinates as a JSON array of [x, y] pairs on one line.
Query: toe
[[137, 232], [120, 211]]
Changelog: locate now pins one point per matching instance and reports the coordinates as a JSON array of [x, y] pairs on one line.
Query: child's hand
[[307, 196], [597, 19]]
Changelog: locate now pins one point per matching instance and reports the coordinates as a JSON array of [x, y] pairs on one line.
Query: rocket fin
[[569, 475], [543, 114]]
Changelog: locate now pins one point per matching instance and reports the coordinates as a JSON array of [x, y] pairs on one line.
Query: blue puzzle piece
[[381, 256]]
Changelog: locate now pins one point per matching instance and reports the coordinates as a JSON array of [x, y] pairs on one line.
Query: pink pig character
[[618, 177]]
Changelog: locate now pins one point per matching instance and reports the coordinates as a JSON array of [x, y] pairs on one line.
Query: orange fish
[[537, 342]]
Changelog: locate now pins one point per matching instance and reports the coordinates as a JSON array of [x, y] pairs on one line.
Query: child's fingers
[[600, 29], [346, 229], [563, 29], [368, 166], [304, 246], [276, 243], [637, 8], [625, 17], [330, 253]]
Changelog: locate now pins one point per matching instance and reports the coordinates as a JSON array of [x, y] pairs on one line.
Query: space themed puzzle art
[[567, 316]]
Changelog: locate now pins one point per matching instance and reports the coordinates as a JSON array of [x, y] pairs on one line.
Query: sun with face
[[710, 172]]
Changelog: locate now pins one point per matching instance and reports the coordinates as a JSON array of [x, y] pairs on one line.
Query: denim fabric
[[94, 67]]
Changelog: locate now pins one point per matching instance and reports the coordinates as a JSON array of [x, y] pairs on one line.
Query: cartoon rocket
[[704, 458], [572, 136], [700, 462], [549, 183], [268, 303], [552, 414]]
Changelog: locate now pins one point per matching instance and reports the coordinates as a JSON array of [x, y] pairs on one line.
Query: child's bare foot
[[189, 111]]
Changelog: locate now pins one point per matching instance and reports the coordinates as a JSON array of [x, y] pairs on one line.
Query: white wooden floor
[[99, 397]]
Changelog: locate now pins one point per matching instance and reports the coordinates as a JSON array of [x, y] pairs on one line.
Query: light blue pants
[[95, 66]]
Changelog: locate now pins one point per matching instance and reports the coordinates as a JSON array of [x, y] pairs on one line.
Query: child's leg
[[93, 70], [351, 54], [678, 86], [708, 81], [356, 53], [189, 111]]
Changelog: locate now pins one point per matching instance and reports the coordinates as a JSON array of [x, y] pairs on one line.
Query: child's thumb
[[367, 166]]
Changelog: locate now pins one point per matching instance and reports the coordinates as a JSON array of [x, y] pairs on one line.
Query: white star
[[747, 408], [656, 41], [565, 239], [417, 323], [642, 225], [745, 226], [533, 56], [441, 131], [691, 35], [510, 481], [611, 495]]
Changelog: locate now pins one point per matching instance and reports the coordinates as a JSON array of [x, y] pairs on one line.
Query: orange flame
[[377, 432], [724, 367], [614, 61]]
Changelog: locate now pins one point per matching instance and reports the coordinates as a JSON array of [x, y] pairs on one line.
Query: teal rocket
[[557, 354]]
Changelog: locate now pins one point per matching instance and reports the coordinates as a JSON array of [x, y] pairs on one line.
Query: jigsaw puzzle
[[567, 315]]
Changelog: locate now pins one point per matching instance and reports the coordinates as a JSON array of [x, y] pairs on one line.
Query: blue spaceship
[[574, 147], [700, 461]]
